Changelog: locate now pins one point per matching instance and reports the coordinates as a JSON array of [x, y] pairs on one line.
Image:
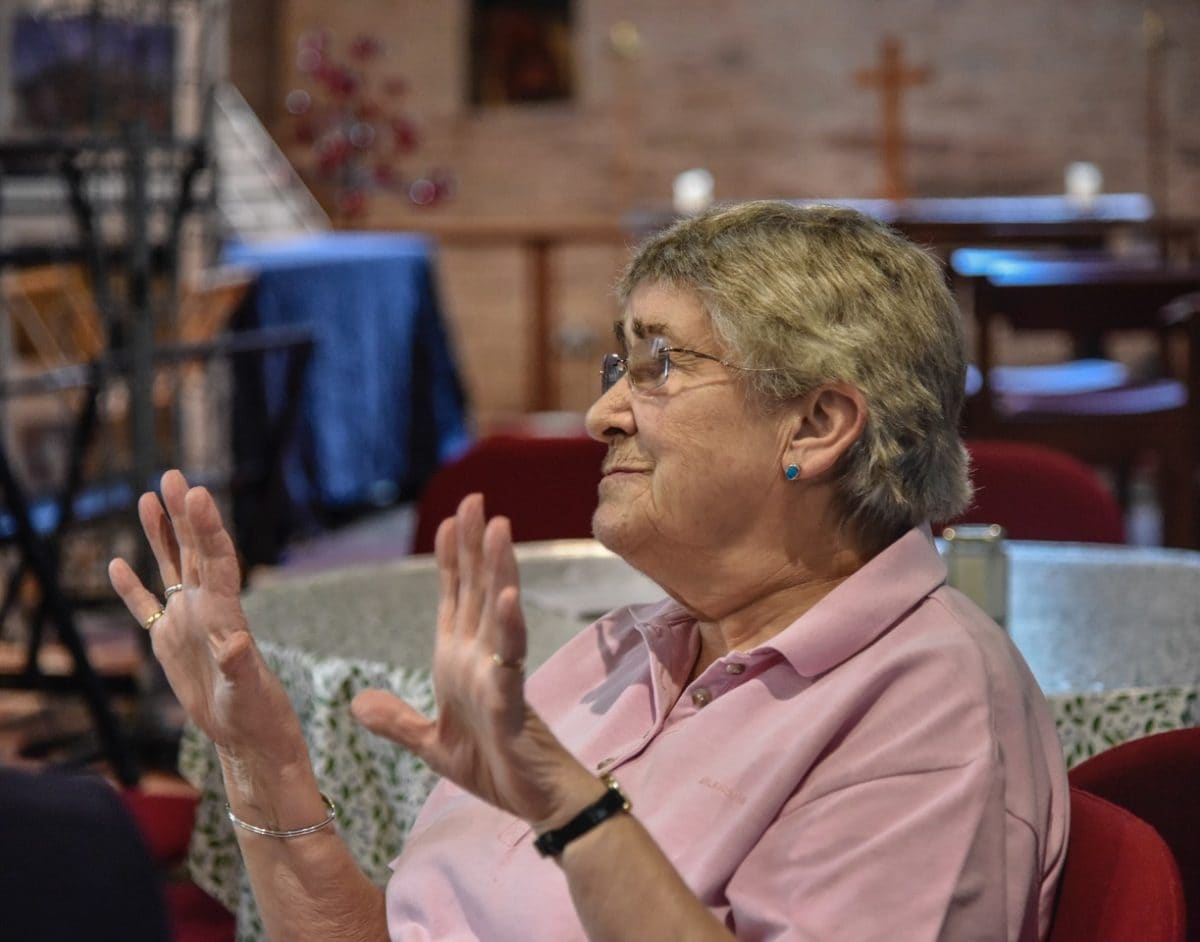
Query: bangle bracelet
[[273, 832]]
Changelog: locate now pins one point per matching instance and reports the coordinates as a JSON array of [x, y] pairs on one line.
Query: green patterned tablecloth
[[1092, 722], [377, 786]]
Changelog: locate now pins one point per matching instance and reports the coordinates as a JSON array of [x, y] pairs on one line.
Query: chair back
[[545, 486], [165, 821], [1082, 297], [1157, 778], [1118, 426], [1120, 881], [981, 261], [1040, 493]]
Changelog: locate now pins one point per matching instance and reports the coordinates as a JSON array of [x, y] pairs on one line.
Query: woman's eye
[[645, 371]]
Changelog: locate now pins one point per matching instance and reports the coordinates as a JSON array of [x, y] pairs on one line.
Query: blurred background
[[312, 252]]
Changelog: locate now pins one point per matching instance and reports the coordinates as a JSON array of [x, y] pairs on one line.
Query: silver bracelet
[[298, 832]]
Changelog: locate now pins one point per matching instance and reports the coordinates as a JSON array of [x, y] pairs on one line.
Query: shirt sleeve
[[916, 855]]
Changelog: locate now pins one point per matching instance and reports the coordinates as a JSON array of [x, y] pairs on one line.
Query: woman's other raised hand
[[486, 738]]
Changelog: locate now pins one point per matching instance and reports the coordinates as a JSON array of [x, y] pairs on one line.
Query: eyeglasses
[[648, 365]]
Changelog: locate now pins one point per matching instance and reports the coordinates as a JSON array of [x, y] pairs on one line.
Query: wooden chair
[[207, 304], [54, 314], [1115, 427], [1088, 371], [1120, 881]]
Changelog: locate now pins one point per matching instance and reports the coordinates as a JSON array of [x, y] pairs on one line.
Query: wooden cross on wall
[[1154, 38], [891, 78]]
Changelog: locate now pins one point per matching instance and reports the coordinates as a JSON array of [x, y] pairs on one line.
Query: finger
[[141, 602], [161, 536], [469, 529], [445, 546], [502, 625], [215, 560], [174, 493], [386, 715]]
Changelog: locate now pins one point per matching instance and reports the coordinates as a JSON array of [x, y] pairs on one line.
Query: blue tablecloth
[[383, 405]]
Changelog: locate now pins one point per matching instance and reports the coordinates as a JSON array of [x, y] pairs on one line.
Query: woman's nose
[[612, 413]]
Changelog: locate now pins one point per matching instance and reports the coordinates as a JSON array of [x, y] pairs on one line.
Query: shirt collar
[[864, 606], [840, 625]]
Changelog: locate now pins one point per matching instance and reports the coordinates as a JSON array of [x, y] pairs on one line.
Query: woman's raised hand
[[202, 640], [486, 738]]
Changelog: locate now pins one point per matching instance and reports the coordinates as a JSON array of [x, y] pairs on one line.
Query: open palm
[[486, 738], [202, 640]]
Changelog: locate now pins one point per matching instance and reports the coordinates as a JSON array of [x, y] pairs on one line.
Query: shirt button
[[734, 668], [701, 697]]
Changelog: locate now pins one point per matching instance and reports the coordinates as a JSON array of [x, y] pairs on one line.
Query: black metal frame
[[262, 487]]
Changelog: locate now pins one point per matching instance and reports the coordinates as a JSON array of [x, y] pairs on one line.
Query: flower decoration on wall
[[352, 121]]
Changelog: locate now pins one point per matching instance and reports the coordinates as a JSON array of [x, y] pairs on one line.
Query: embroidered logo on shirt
[[731, 793]]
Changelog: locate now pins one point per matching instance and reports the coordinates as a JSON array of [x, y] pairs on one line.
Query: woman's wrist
[[582, 790], [274, 795]]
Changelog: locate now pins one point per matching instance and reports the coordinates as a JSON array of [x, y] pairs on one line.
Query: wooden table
[[948, 222]]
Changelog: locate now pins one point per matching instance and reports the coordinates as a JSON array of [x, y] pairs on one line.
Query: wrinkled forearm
[[624, 887], [310, 887]]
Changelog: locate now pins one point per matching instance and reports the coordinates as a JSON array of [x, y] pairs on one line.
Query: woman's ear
[[826, 423]]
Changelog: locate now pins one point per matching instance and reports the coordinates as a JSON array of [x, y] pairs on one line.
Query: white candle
[[1082, 181], [693, 191]]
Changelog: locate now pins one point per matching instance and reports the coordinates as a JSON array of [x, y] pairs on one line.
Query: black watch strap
[[613, 801]]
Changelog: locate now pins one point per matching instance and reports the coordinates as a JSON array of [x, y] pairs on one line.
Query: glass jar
[[977, 565]]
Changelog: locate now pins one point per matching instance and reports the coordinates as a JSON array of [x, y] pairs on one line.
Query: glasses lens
[[649, 363], [612, 368]]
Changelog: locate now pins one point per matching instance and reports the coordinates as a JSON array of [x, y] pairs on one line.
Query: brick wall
[[762, 93]]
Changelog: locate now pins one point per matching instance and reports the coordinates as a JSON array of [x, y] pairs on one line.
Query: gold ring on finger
[[149, 622], [517, 665], [171, 590]]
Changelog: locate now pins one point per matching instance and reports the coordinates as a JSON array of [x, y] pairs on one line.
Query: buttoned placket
[[664, 691], [720, 677]]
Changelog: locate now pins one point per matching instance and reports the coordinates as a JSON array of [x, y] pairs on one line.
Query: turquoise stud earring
[[792, 472]]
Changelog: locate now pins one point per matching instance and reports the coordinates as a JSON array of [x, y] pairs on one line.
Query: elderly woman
[[812, 738]]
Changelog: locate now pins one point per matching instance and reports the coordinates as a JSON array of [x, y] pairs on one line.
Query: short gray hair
[[824, 294]]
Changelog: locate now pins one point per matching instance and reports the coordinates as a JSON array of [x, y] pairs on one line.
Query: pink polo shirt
[[884, 768]]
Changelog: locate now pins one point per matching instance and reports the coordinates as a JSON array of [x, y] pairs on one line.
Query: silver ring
[[517, 665], [171, 590]]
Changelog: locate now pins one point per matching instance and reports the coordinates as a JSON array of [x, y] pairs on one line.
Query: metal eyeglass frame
[[614, 366]]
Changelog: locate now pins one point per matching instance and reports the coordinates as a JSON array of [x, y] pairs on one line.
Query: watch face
[[611, 782]]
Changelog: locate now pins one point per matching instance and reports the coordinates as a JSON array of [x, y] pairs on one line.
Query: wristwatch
[[613, 801]]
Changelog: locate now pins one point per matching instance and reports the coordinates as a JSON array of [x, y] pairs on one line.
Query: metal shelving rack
[[113, 116]]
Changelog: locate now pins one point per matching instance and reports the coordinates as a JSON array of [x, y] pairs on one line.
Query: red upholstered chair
[[1120, 881], [166, 821], [1040, 493], [1158, 779], [545, 486], [197, 917]]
